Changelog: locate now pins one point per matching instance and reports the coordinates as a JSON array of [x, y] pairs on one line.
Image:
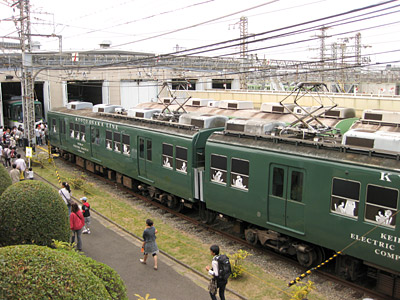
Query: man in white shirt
[[21, 165], [213, 271]]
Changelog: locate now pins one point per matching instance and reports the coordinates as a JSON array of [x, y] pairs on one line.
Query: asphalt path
[[110, 245]]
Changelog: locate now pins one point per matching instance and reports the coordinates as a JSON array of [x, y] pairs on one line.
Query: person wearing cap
[[86, 214]]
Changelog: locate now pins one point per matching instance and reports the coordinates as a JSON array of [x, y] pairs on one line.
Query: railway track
[[223, 233]]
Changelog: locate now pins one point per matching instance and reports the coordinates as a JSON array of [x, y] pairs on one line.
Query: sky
[[160, 27]]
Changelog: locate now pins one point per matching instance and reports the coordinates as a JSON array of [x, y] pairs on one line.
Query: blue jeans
[[78, 234]]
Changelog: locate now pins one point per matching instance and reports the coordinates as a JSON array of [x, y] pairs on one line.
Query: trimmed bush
[[32, 212], [37, 272], [5, 179], [112, 281]]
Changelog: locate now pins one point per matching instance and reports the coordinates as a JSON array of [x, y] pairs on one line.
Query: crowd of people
[[12, 143]]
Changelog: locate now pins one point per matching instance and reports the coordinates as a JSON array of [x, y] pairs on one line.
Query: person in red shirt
[[76, 222]]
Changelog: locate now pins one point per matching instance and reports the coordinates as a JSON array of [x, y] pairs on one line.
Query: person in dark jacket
[[76, 222], [149, 244]]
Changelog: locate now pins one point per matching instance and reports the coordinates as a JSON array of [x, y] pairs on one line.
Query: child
[[86, 214], [30, 174]]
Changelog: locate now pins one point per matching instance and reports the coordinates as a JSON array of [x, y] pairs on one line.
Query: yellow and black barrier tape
[[308, 272]]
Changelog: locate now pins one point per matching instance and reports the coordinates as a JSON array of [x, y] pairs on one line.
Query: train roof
[[311, 149], [154, 125]]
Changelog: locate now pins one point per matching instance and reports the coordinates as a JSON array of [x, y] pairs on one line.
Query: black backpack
[[224, 267]]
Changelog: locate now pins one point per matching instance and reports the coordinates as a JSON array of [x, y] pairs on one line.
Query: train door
[[144, 155], [285, 199], [95, 142], [62, 131]]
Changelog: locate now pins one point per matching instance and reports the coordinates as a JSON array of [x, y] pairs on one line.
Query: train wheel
[[251, 236], [174, 203], [202, 213], [207, 216], [211, 216], [320, 255], [307, 259]]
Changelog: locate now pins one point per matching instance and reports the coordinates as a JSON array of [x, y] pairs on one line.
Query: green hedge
[[112, 281], [32, 212], [37, 272], [5, 179]]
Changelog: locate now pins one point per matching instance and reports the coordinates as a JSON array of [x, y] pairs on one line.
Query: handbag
[[212, 286]]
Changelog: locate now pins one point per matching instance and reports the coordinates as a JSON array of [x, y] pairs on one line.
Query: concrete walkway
[[110, 245]]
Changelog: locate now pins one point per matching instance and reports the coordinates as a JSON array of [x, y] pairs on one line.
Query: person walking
[[21, 165], [76, 222], [149, 244], [214, 271], [65, 193], [6, 156], [14, 174], [86, 215]]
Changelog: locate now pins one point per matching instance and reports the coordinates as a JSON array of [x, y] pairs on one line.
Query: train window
[[149, 150], [141, 147], [126, 144], [108, 140], [345, 197], [76, 130], [117, 142], [167, 155], [240, 174], [181, 159], [278, 178], [83, 133], [95, 136], [54, 125], [296, 188], [381, 205], [218, 169], [71, 130]]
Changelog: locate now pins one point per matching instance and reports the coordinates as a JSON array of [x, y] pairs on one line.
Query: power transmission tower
[[27, 82]]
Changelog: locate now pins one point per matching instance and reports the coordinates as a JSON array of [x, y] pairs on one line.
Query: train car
[[300, 192], [13, 113], [305, 198], [161, 158]]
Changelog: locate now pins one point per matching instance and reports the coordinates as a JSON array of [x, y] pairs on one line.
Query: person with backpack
[[220, 270]]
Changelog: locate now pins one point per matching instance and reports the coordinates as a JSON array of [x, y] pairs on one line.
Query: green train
[[302, 197], [13, 113]]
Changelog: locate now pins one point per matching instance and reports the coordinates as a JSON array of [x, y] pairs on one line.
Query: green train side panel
[[312, 219], [144, 164]]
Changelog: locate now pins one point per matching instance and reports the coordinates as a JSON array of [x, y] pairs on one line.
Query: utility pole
[[27, 82], [244, 32]]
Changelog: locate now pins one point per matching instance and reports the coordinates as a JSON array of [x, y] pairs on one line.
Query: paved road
[[112, 246]]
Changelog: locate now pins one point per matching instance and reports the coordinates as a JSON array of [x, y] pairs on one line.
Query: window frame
[[218, 170], [82, 130], [116, 142], [240, 186], [184, 164], [164, 156], [128, 145], [109, 140], [380, 206], [341, 211]]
